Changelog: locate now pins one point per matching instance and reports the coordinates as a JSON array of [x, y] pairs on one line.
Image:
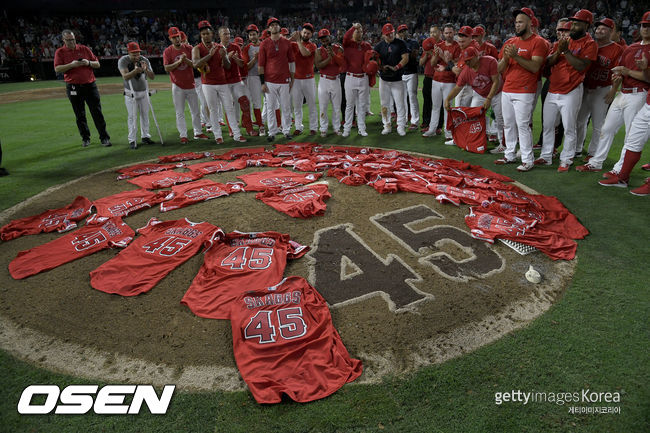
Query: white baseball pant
[[439, 92], [516, 108], [329, 90], [567, 106], [356, 97], [278, 96], [137, 103], [639, 131], [218, 95], [394, 90], [593, 104], [203, 105], [478, 101], [304, 88], [254, 90], [464, 98], [179, 96], [539, 92], [622, 111], [411, 93]]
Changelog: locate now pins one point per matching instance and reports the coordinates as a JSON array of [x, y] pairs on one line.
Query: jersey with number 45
[[161, 247], [284, 342], [239, 261]]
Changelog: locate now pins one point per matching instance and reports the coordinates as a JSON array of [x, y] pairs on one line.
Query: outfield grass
[[595, 337]]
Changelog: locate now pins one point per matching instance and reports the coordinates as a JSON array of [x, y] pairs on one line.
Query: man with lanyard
[[304, 85], [76, 62], [410, 77], [177, 60], [135, 70], [394, 56]]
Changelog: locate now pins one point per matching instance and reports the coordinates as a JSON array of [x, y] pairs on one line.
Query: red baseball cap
[[204, 24], [402, 27], [607, 22], [239, 41], [284, 31], [526, 11], [133, 47], [564, 26], [323, 32], [478, 31], [646, 18], [308, 26], [173, 31], [466, 31], [534, 22], [469, 53], [428, 44], [183, 36], [372, 68], [387, 29], [271, 21], [583, 15], [266, 33], [252, 28]]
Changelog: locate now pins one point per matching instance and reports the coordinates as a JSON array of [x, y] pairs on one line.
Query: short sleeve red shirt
[[629, 57], [216, 73], [446, 76], [599, 73], [304, 64], [80, 75], [183, 76], [338, 61], [480, 80], [233, 75], [274, 57], [564, 77], [517, 79]]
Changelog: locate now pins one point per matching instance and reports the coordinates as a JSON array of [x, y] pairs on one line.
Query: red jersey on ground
[[440, 73], [81, 74], [467, 126], [239, 262], [164, 179], [127, 202], [61, 220], [278, 178], [629, 57], [284, 342], [215, 73], [600, 71], [140, 169], [481, 79], [300, 202], [187, 156], [238, 153], [217, 166], [518, 79], [93, 237], [274, 57], [304, 64], [333, 68], [197, 192], [161, 247], [564, 77], [183, 76]]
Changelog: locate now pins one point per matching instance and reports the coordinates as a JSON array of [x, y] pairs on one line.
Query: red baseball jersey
[[127, 202], [238, 262], [278, 178], [487, 49], [481, 79], [354, 53], [160, 247], [467, 126], [187, 156], [333, 68], [304, 64], [164, 179], [238, 153], [233, 75], [284, 342], [629, 57], [600, 71], [518, 79], [61, 220], [274, 57], [93, 237], [300, 202], [183, 76], [564, 77], [214, 72], [81, 74], [217, 166], [196, 192], [140, 169], [440, 73]]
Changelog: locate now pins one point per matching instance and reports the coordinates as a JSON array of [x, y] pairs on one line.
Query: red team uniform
[[164, 179], [279, 178], [161, 247], [197, 192], [187, 156], [61, 220], [301, 202], [467, 126], [141, 169], [183, 76], [127, 202], [238, 262], [217, 166], [284, 342], [93, 237]]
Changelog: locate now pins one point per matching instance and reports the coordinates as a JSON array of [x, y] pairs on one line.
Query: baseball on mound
[[532, 275]]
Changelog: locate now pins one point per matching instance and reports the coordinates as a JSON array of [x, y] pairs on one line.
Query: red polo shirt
[[80, 75]]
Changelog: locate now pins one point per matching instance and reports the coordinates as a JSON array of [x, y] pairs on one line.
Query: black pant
[[79, 95], [426, 96]]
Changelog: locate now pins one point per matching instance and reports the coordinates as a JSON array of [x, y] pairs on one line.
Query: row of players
[[583, 78]]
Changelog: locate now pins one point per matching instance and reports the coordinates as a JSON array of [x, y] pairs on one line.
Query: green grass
[[595, 337], [31, 85]]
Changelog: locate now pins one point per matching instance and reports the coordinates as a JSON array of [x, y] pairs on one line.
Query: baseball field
[[590, 344]]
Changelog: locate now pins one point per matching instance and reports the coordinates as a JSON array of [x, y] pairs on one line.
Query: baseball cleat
[[525, 167], [240, 139], [297, 132], [450, 142], [613, 181], [184, 140], [401, 131], [587, 168], [563, 168], [363, 133], [106, 142], [386, 130], [323, 134], [201, 137], [542, 161], [610, 174], [219, 140], [429, 133], [646, 167], [345, 134], [504, 161], [85, 143], [643, 190], [312, 132], [133, 145], [147, 140], [499, 149]]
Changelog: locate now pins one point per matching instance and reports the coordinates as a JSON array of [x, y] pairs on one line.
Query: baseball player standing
[[203, 105], [394, 56], [445, 54], [329, 59], [519, 61], [250, 53], [276, 67], [598, 90], [76, 62], [410, 77], [304, 84], [569, 62], [135, 70], [356, 81], [177, 60], [425, 61]]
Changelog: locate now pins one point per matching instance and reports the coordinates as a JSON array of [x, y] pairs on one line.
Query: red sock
[[246, 113], [629, 161], [258, 116], [278, 118]]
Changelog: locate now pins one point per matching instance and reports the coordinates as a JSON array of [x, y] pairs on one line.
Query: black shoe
[[147, 140], [288, 136], [3, 172], [85, 143], [106, 142], [270, 138], [133, 145]]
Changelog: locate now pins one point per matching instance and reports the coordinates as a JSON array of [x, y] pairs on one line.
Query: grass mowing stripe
[[593, 338]]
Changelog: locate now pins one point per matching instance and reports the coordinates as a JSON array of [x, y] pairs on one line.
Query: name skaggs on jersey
[[273, 299], [269, 242], [184, 231]]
